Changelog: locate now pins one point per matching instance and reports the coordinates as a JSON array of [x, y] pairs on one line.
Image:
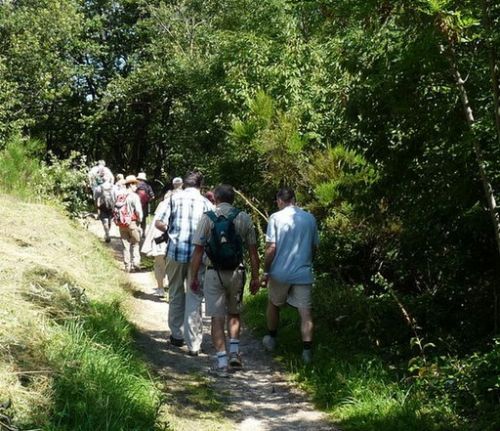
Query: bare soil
[[259, 397]]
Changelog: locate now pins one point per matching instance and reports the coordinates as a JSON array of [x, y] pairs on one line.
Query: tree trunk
[[488, 189], [493, 63]]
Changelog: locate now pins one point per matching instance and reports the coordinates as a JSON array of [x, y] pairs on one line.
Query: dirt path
[[257, 398]]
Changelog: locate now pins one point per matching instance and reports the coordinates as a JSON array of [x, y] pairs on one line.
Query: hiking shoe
[[307, 356], [159, 292], [178, 342], [217, 371], [269, 343], [193, 353], [235, 360], [107, 239]]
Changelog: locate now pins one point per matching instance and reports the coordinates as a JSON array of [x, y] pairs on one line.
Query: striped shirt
[[182, 214]]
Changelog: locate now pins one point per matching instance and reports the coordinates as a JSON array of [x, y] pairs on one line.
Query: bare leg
[[273, 316], [233, 326], [218, 336], [306, 324]]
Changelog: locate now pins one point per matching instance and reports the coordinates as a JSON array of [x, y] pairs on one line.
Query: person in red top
[[146, 194]]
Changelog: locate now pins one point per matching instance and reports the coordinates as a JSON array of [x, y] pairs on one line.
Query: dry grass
[[49, 268]]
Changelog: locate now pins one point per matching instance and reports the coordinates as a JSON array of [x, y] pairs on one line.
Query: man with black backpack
[[222, 234]]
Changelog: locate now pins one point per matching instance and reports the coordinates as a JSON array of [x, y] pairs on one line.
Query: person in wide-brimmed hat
[[128, 216]]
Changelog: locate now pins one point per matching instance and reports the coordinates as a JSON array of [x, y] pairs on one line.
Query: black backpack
[[225, 247]]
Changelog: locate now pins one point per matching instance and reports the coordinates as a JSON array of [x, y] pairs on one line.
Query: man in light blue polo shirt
[[291, 239]]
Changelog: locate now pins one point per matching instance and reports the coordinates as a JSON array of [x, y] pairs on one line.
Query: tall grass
[[28, 173], [99, 385], [67, 358]]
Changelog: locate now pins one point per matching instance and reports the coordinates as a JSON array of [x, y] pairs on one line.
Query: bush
[[23, 173]]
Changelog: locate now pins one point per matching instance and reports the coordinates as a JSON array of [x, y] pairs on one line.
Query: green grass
[[100, 383], [356, 386], [67, 356]]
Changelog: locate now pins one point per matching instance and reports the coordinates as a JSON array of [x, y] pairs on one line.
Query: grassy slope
[[62, 334]]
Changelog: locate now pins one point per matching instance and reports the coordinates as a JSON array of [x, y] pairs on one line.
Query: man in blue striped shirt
[[180, 219]]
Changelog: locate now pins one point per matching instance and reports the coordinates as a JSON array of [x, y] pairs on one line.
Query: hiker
[[119, 184], [155, 243], [210, 196], [291, 240], [128, 216], [105, 201], [97, 175], [180, 219], [176, 187], [222, 233], [146, 194]]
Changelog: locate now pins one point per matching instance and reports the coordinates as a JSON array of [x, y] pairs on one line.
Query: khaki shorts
[[225, 298], [297, 295]]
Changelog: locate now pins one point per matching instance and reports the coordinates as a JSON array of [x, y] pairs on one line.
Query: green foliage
[[100, 384], [354, 104], [20, 167], [61, 181]]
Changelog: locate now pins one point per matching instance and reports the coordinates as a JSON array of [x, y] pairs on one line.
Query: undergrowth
[[367, 387]]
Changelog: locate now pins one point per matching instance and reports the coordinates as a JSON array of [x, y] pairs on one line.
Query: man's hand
[[254, 285], [195, 285], [264, 279]]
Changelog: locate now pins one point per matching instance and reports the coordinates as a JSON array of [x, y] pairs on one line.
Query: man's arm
[[195, 267], [254, 268], [138, 207], [268, 260], [160, 225]]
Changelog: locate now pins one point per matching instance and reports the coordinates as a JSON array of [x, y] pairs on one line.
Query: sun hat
[[177, 180], [130, 179], [142, 176]]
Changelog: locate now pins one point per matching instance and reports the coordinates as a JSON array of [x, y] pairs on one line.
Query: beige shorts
[[297, 295], [225, 298]]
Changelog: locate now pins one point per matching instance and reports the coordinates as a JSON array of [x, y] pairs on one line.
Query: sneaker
[[217, 371], [235, 360], [193, 352], [178, 342], [137, 268], [307, 356], [269, 343], [159, 292], [107, 239]]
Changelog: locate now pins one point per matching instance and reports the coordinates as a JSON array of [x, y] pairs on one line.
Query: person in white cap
[[146, 194], [176, 187]]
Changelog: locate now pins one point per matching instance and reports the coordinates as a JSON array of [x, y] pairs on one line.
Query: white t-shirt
[[295, 233]]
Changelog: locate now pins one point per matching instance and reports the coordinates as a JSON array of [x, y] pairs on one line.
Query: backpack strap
[[212, 216], [233, 214]]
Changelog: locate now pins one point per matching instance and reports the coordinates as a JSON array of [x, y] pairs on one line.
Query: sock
[[307, 345], [222, 359], [273, 333], [234, 345]]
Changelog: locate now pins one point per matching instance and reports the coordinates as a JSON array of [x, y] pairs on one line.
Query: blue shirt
[[182, 214], [295, 234]]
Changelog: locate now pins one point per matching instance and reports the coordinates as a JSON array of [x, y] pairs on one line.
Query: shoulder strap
[[212, 216], [233, 214]]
